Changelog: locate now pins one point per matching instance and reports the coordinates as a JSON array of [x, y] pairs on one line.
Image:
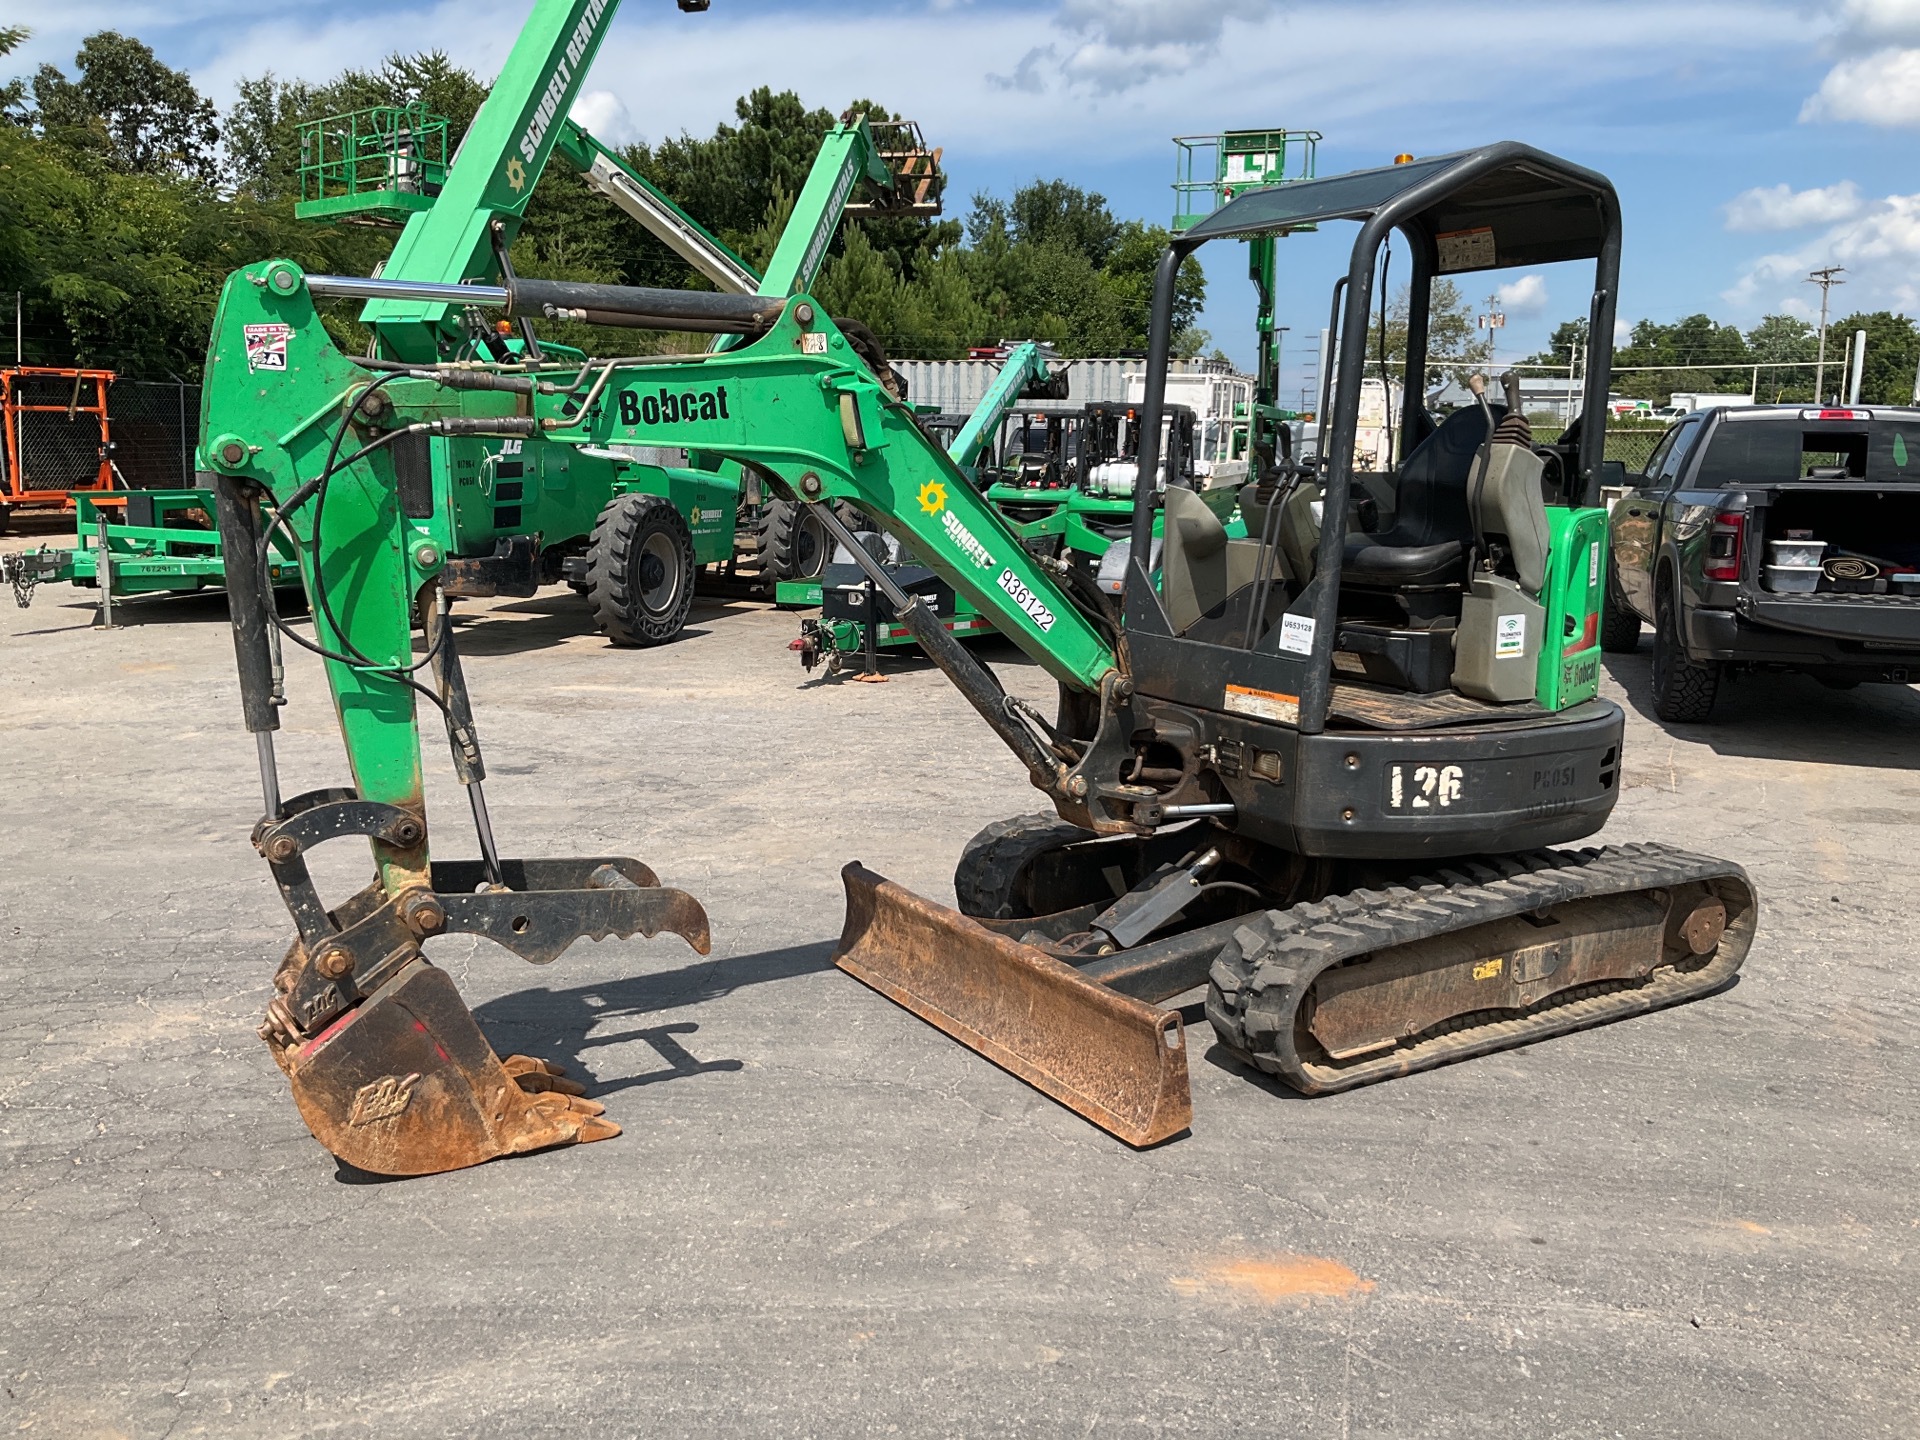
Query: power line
[[1824, 278]]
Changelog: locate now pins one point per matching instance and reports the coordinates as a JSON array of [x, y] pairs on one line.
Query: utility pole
[[1824, 278]]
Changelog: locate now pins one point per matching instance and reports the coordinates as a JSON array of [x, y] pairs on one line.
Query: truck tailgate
[[1878, 620]]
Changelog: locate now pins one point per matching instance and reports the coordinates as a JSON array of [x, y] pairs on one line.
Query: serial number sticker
[[1263, 704], [266, 346], [1466, 249], [1296, 634], [1509, 637], [1425, 787], [1489, 969], [1593, 563]]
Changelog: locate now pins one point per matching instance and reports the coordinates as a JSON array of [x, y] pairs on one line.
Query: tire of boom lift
[[1619, 626], [794, 545], [986, 881], [1683, 691], [640, 570]]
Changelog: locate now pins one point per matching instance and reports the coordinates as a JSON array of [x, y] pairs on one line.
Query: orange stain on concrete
[[1752, 1228], [1275, 1278]]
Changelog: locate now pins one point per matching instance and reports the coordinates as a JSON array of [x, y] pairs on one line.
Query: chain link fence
[[153, 425], [57, 433], [56, 436], [1630, 444]]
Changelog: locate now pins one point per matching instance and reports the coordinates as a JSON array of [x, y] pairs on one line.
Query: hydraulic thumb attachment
[[389, 1068]]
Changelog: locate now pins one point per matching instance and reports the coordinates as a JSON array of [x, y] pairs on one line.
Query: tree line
[[128, 198]]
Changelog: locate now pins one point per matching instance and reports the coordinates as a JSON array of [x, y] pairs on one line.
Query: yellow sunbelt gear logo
[[516, 174], [933, 497]]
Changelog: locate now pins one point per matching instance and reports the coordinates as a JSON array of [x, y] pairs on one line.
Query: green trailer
[[141, 542]]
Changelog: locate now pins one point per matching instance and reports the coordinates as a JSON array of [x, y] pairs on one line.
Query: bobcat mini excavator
[[1314, 770]]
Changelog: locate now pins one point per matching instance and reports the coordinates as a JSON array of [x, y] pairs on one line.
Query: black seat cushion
[[1432, 527], [1390, 567]]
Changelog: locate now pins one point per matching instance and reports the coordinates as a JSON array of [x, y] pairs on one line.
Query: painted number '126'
[[1424, 787]]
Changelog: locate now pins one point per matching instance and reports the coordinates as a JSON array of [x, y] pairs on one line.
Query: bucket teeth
[[405, 1084], [1117, 1061]]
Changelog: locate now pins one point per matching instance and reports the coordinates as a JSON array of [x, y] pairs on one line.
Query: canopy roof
[[1502, 204]]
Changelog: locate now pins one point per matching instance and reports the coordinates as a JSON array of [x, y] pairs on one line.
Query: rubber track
[[1262, 977], [983, 880]]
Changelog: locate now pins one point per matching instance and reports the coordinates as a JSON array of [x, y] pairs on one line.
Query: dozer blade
[[405, 1084], [1118, 1061]]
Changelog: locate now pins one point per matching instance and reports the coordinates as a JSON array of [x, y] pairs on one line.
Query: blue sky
[[1750, 141]]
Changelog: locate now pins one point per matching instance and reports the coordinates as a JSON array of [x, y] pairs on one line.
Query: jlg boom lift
[[627, 535], [1354, 866]]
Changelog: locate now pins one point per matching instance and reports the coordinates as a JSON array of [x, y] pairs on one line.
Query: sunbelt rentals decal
[[933, 500], [579, 48]]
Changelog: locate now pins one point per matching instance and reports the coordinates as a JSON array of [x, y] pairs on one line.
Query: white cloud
[[1878, 89], [603, 112], [1525, 296], [1121, 44], [1878, 80], [1879, 249], [1780, 207], [1622, 333], [1880, 21]]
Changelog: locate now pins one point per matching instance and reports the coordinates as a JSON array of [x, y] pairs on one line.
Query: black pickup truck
[[1771, 538]]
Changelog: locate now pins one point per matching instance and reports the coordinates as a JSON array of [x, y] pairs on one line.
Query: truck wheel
[[1683, 692], [794, 545], [640, 570], [1619, 626]]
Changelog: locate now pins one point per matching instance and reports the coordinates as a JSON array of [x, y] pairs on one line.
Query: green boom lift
[[625, 531], [1352, 861]]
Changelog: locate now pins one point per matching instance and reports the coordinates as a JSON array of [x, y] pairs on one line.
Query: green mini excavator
[[1316, 771]]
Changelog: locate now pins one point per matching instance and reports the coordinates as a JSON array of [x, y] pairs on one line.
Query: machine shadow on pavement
[[1790, 717], [561, 1025], [518, 627]]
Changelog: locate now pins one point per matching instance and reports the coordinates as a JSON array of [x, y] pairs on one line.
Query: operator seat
[[1432, 526]]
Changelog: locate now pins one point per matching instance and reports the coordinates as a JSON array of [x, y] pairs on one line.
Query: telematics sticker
[[1263, 704], [1509, 637], [1296, 634], [267, 346]]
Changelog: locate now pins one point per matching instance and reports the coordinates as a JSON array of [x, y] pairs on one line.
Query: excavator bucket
[[1120, 1062], [405, 1084]]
